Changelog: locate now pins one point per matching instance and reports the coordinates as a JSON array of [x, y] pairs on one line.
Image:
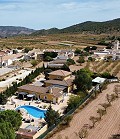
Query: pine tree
[[51, 116]]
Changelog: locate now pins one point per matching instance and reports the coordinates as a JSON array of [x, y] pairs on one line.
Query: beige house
[[50, 94], [9, 59], [62, 79], [60, 83], [59, 75]]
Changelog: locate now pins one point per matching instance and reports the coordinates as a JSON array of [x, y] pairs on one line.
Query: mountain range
[[7, 31], [112, 26]]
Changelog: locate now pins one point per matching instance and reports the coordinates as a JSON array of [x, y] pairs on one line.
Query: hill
[[112, 26], [7, 31]]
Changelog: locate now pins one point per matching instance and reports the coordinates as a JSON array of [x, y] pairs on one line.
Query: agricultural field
[[112, 67], [52, 41], [103, 129]]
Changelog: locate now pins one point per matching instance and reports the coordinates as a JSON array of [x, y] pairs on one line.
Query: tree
[[12, 89], [70, 61], [81, 60], [78, 51], [73, 102], [51, 116], [65, 67], [27, 49], [94, 47], [50, 54], [34, 62], [46, 72], [12, 117], [10, 121], [83, 133], [93, 120], [48, 58], [106, 75], [83, 81], [66, 120], [113, 97], [6, 131], [101, 112], [117, 90], [91, 59], [108, 97], [87, 49], [105, 105]]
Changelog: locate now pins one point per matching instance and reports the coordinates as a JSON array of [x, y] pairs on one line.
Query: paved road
[[9, 81], [5, 70]]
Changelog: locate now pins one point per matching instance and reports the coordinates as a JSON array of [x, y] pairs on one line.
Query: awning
[[31, 95], [22, 93]]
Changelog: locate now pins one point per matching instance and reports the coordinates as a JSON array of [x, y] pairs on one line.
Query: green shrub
[[66, 120]]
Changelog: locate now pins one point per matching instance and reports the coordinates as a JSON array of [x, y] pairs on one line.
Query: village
[[55, 83]]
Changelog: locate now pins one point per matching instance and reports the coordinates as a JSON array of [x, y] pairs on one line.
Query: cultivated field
[[108, 126], [101, 66], [52, 41]]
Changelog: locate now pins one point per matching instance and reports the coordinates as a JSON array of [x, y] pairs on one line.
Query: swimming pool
[[33, 111]]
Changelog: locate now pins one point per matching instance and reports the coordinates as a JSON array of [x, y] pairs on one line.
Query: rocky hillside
[[7, 31]]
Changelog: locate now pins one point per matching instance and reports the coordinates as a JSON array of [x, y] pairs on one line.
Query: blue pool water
[[33, 111]]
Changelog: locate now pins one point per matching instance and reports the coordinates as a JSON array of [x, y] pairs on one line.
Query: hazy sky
[[39, 14]]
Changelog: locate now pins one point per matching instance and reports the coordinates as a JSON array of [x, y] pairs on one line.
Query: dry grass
[[52, 41]]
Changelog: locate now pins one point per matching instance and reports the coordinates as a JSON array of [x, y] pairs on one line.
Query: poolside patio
[[14, 102]]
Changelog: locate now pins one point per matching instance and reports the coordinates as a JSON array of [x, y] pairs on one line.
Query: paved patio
[[10, 106]]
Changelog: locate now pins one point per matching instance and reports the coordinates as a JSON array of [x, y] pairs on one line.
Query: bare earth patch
[[105, 128]]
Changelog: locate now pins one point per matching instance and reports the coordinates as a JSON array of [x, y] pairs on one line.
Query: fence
[[69, 113]]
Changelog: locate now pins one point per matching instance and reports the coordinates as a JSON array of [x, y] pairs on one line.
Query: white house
[[9, 59]]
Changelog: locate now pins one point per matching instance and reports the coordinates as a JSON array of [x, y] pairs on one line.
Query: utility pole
[[1, 61]]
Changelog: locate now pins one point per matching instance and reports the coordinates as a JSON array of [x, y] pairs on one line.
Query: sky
[[45, 14]]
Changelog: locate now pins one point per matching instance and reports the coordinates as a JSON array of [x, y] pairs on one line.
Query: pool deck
[[58, 107]]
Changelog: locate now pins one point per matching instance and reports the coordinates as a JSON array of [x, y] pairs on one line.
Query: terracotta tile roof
[[12, 56], [25, 132], [33, 88], [60, 73], [63, 83], [38, 89], [56, 92], [2, 53]]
